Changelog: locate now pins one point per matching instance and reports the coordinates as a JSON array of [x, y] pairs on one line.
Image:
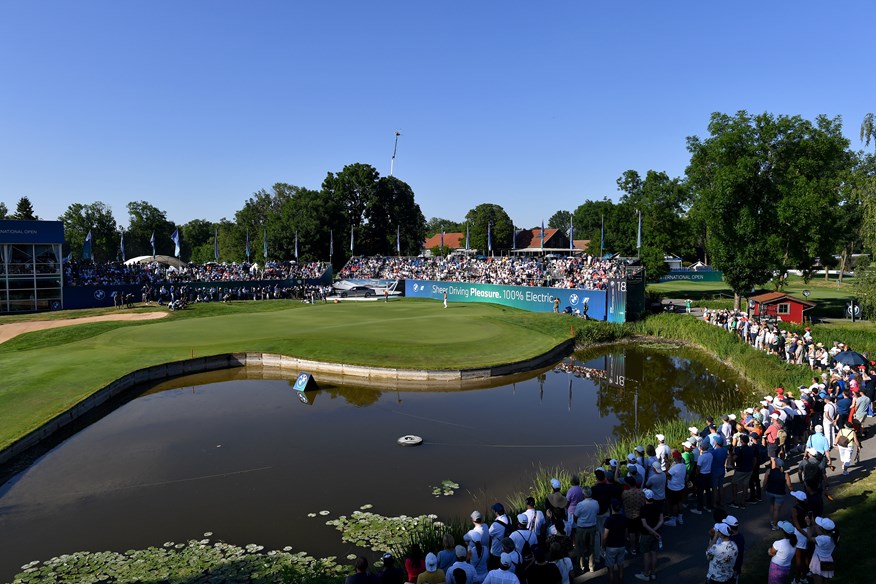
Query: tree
[[560, 220], [196, 241], [316, 219], [436, 224], [96, 218], [730, 173], [376, 208], [144, 220], [588, 219], [3, 210], [868, 129], [24, 211], [500, 228]]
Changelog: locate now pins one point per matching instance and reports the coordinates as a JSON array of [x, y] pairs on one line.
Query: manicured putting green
[[45, 373]]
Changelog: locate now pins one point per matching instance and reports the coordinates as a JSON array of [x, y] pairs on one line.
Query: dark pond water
[[246, 460]]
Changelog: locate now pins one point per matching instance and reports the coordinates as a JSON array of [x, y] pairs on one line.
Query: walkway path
[[12, 330]]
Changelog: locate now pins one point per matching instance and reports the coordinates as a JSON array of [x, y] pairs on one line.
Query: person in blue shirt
[[843, 409], [719, 463]]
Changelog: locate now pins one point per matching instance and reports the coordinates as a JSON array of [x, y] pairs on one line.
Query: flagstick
[[394, 149]]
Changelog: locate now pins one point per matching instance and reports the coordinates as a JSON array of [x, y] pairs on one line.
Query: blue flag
[[351, 239], [602, 237], [571, 236], [265, 243], [247, 245], [216, 244], [489, 236], [542, 235], [398, 239], [466, 237], [86, 248], [513, 237], [122, 245], [152, 241], [175, 238], [331, 243], [442, 238], [639, 232], [296, 245]]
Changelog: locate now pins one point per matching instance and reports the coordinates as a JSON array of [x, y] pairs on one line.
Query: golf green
[[47, 372]]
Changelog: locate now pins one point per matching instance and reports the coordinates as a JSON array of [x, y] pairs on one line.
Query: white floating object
[[410, 440]]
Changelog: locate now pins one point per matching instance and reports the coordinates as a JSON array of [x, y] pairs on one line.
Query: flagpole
[[394, 149]]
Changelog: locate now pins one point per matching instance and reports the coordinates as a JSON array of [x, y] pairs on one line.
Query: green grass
[[47, 372]]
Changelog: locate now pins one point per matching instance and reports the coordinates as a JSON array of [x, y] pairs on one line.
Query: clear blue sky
[[536, 106]]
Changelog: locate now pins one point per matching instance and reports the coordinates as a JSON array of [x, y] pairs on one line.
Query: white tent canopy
[[161, 259]]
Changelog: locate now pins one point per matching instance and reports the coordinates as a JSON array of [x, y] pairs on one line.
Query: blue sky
[[536, 106]]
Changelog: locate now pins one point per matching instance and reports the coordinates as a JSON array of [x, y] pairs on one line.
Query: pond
[[245, 459]]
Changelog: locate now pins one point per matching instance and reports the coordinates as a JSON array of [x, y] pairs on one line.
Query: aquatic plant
[[446, 488]]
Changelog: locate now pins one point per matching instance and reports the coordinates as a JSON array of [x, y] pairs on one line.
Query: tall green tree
[[80, 219], [560, 220], [145, 219], [762, 185], [395, 215], [316, 219], [868, 129], [3, 210], [436, 224], [500, 223], [588, 219], [24, 211], [196, 241]]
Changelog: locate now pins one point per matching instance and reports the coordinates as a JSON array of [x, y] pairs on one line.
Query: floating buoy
[[410, 440]]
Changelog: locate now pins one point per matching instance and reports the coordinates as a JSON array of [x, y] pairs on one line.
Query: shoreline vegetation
[[204, 561]]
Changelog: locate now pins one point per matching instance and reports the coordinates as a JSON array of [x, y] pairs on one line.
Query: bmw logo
[[56, 305], [416, 287], [573, 299], [99, 294]]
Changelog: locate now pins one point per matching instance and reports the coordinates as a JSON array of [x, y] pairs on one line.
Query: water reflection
[[245, 459]]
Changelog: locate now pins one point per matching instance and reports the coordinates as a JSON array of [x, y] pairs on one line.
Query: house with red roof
[[780, 306]]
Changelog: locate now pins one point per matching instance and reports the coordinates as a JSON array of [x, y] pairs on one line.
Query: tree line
[[762, 194]]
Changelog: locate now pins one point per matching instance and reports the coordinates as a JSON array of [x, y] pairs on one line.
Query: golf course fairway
[[46, 372]]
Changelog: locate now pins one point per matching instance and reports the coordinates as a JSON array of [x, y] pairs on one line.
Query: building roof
[[773, 297], [581, 244], [531, 239], [451, 240]]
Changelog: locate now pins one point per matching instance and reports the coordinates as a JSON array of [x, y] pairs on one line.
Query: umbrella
[[850, 358]]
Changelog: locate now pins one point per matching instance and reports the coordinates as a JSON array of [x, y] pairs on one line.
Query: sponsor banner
[[31, 232], [533, 299], [691, 276]]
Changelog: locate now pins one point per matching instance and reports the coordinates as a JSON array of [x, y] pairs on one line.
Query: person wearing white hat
[[662, 450], [739, 539], [722, 554], [524, 536], [503, 574], [461, 563], [823, 533], [650, 540], [477, 555], [433, 574], [586, 513]]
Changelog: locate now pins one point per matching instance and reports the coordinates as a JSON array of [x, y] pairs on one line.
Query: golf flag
[[398, 239], [351, 239], [466, 237], [542, 235], [216, 244], [513, 237], [86, 248], [175, 238], [331, 243], [265, 243], [122, 245], [602, 237], [489, 236], [296, 245], [442, 238], [247, 245], [639, 232], [152, 241]]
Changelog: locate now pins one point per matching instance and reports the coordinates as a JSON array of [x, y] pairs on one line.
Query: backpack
[[509, 527], [781, 437], [528, 551]]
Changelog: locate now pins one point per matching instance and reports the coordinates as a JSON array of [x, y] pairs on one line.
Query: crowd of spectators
[[88, 273], [586, 272], [774, 458]]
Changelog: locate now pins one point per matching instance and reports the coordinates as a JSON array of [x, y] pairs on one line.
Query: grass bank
[[47, 372]]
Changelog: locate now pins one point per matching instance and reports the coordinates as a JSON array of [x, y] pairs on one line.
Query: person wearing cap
[[782, 553], [556, 499], [812, 473], [860, 408], [726, 429], [652, 521], [635, 469], [676, 482], [524, 538], [501, 527], [575, 495], [739, 539], [848, 446], [536, 521], [479, 526], [461, 563], [614, 539], [722, 554], [602, 492], [657, 482], [829, 419], [586, 513], [843, 408], [504, 573], [540, 571], [719, 470], [433, 574], [391, 574], [823, 534], [361, 574], [662, 450], [818, 441], [703, 478], [640, 456]]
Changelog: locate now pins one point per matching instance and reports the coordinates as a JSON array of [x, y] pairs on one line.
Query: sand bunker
[[12, 330]]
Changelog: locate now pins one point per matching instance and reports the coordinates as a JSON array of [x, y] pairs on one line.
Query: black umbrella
[[850, 358]]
